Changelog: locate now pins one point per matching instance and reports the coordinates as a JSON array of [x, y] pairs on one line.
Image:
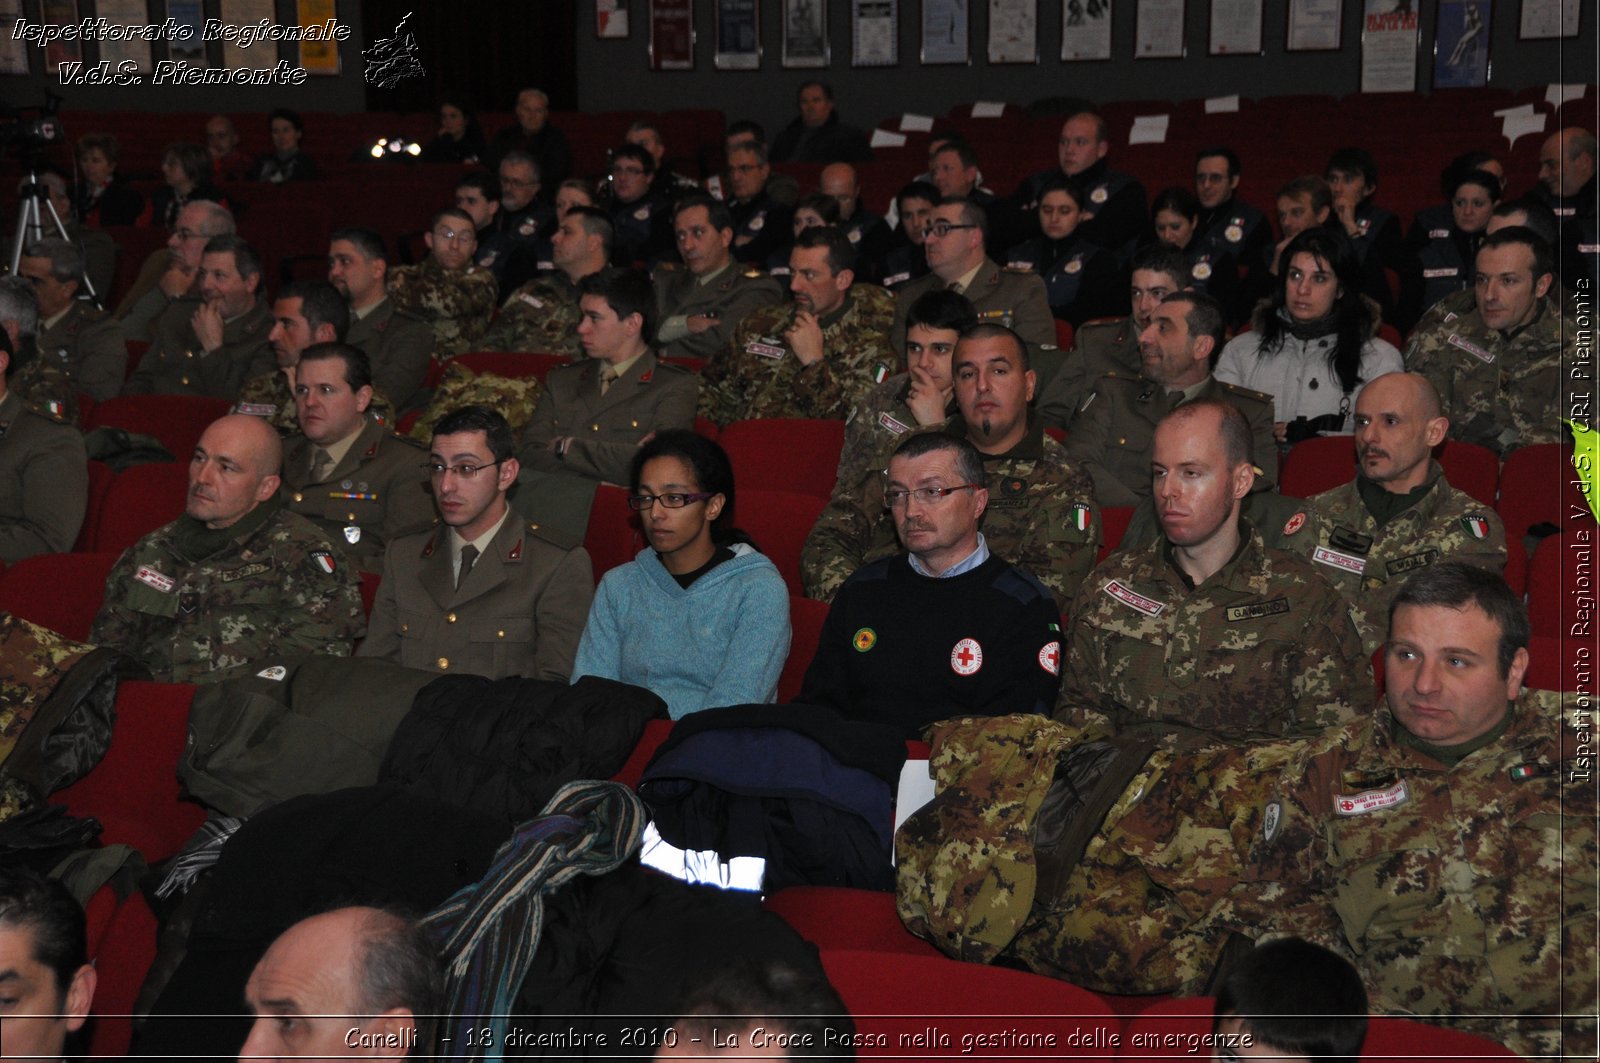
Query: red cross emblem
[[1348, 806], [967, 657], [1050, 658]]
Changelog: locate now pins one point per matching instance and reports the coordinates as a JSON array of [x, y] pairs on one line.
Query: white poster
[[1314, 25], [1548, 18], [805, 34], [944, 32], [1085, 30], [1158, 33], [1389, 33], [261, 55], [875, 33], [1235, 27], [1013, 31]]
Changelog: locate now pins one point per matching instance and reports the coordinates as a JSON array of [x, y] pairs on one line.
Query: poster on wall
[[874, 32], [805, 34], [262, 55], [738, 44], [1085, 30], [1235, 27], [1389, 36], [61, 13], [1158, 29], [1543, 19], [1461, 44], [318, 57], [611, 19], [125, 13], [1013, 31], [13, 53], [191, 49], [1314, 25], [671, 34], [944, 32]]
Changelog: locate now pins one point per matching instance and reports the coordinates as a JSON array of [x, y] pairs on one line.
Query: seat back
[[806, 617], [1470, 468], [1317, 464], [139, 501], [1546, 587], [1538, 485], [59, 591], [790, 454], [515, 364], [1114, 522], [779, 522], [100, 477], [176, 420], [613, 537]]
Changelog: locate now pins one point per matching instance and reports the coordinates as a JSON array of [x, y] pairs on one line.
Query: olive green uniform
[[176, 364], [729, 294], [1098, 348], [269, 396], [399, 348], [1014, 298], [88, 344], [376, 493], [44, 480], [542, 315]]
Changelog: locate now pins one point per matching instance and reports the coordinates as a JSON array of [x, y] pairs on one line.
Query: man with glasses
[[947, 628], [641, 219], [512, 235], [80, 339], [761, 224], [173, 275], [455, 297], [700, 303], [488, 593], [953, 242]]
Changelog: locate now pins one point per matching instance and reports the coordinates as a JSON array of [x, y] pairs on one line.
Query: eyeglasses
[[628, 171], [464, 472], [454, 236], [896, 497], [189, 234], [941, 229], [639, 503]]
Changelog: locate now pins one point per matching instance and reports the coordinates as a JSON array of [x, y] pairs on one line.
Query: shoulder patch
[[1235, 389], [322, 561]]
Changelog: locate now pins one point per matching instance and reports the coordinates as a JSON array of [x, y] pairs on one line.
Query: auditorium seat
[[806, 617], [837, 917], [59, 591], [1317, 464], [369, 591], [122, 960], [1554, 664], [139, 501], [1470, 468], [100, 477], [1538, 485], [787, 454], [613, 537], [516, 364], [779, 522], [1113, 525], [707, 428], [1547, 582], [176, 420], [1064, 334], [1516, 570]]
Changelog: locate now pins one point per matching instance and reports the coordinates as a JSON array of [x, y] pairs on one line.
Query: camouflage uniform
[[456, 304], [188, 601], [1014, 298], [1113, 436], [542, 315], [376, 493], [88, 344], [1041, 517], [269, 397], [1098, 348], [1263, 649], [730, 295], [1368, 562], [875, 427], [399, 347], [759, 376], [44, 479], [1503, 390], [176, 364]]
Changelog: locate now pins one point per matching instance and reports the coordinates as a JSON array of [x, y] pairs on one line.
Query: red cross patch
[[967, 657], [1050, 657]]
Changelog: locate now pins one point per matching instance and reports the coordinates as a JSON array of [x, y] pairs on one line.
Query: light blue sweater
[[721, 642]]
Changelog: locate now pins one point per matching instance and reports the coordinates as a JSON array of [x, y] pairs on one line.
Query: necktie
[[954, 286], [469, 554], [608, 376], [321, 462]]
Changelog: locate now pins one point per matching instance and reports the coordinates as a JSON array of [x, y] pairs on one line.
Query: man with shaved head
[[1567, 180], [347, 983], [866, 231], [1400, 513], [238, 577]]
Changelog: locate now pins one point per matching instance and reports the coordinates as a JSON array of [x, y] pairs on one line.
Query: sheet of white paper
[[1526, 108], [915, 790], [1556, 95], [1149, 129], [1222, 104], [987, 109], [916, 123], [1516, 125], [883, 138]]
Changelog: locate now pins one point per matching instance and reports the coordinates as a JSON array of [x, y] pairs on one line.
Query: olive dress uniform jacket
[[1010, 297], [376, 493], [176, 364], [399, 346], [732, 295], [44, 480], [1098, 348], [519, 611], [88, 344]]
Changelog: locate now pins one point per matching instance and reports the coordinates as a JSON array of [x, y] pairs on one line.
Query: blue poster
[[1461, 45], [738, 35]]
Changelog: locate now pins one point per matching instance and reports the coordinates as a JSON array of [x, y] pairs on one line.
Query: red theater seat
[[1317, 464], [59, 591], [139, 501], [514, 364], [176, 420], [100, 477], [836, 917], [1538, 485], [806, 617], [613, 537], [779, 522], [785, 454]]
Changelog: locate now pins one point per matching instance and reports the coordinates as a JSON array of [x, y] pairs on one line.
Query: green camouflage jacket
[[456, 304], [875, 427], [542, 315]]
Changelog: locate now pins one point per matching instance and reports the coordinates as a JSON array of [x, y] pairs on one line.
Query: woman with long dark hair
[[1445, 262], [1175, 216], [699, 617], [1314, 342], [460, 138]]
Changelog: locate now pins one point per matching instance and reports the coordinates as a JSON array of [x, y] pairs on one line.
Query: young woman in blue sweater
[[699, 617]]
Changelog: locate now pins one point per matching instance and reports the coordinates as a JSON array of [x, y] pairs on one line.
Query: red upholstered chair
[[836, 917], [1113, 525], [139, 501], [705, 426], [1516, 570], [134, 790], [806, 617], [779, 522], [684, 361], [1554, 664], [895, 994], [122, 960], [1064, 334], [176, 420], [1470, 468], [787, 454], [513, 364], [59, 591], [100, 477], [1317, 464], [613, 537], [369, 591], [1538, 485], [1546, 586], [655, 733]]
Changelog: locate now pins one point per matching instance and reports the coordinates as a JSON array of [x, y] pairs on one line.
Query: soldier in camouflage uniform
[[1207, 635], [1041, 515], [1101, 347], [83, 341], [44, 482], [1399, 514], [1499, 370], [237, 577], [542, 315], [700, 303], [455, 297], [922, 397], [814, 357]]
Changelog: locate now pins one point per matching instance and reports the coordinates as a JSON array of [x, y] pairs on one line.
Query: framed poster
[[1461, 44], [137, 52], [671, 34], [1013, 31], [738, 43], [611, 19], [1389, 36], [1314, 26], [1543, 19], [318, 57], [263, 55], [13, 52], [1085, 30], [805, 34], [944, 32], [1235, 27], [874, 32], [65, 13], [1158, 29]]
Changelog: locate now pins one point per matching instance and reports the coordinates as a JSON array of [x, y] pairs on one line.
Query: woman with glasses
[[699, 617]]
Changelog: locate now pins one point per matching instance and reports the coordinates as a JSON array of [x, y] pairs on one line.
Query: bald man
[[237, 577], [314, 994], [1400, 513], [1566, 178], [866, 231]]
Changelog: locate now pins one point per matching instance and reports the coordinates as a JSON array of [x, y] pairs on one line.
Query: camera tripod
[[37, 219]]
